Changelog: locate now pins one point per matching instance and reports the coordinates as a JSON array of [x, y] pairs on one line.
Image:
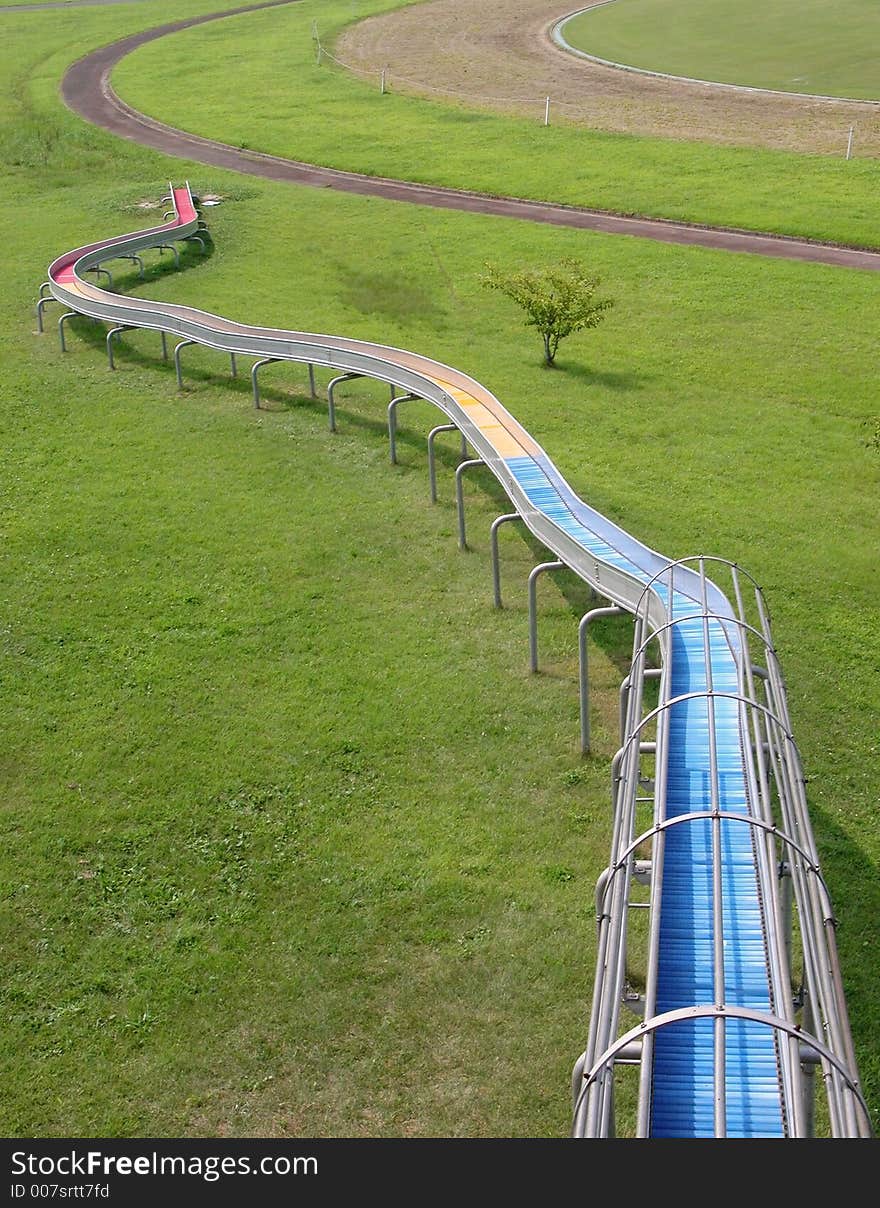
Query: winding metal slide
[[714, 923]]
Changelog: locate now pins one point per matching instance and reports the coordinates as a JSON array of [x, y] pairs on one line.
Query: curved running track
[[86, 89], [723, 1057]]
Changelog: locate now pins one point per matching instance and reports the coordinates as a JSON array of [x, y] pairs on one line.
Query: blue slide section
[[683, 1065]]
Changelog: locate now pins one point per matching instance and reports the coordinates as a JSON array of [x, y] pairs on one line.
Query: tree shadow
[[610, 379]]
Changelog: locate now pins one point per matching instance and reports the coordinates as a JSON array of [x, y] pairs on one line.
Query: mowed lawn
[[293, 842], [828, 49]]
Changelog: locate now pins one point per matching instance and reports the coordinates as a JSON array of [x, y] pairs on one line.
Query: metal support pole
[[496, 568], [114, 331], [164, 340], [601, 889], [787, 896], [254, 382], [105, 271], [40, 304], [584, 670], [182, 344], [392, 421], [649, 673], [196, 239], [577, 1075], [432, 469], [233, 364], [171, 248], [46, 285], [68, 314], [331, 403], [459, 497], [808, 1072], [533, 609], [137, 261], [645, 748], [312, 390]]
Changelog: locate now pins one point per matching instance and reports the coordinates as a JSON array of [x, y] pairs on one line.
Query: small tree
[[559, 300]]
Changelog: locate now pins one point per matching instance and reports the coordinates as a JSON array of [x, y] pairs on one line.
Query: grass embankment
[[791, 45], [293, 841], [294, 108]]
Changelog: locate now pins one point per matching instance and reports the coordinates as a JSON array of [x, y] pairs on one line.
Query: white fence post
[[382, 85], [547, 112], [849, 142]]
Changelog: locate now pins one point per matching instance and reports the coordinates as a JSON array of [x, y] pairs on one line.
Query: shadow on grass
[[608, 378]]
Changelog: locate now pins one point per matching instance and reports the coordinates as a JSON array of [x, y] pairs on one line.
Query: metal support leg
[[432, 469], [44, 301], [533, 608], [46, 286], [592, 615], [164, 340], [196, 239], [786, 894], [392, 421], [68, 314], [645, 748], [577, 1075], [312, 390], [171, 248], [137, 260], [114, 331], [459, 497], [493, 541], [601, 889], [182, 344], [254, 382], [233, 364], [808, 1072], [105, 271], [649, 673], [331, 403]]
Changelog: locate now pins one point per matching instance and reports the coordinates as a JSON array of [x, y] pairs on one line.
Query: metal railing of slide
[[804, 1012], [807, 1018]]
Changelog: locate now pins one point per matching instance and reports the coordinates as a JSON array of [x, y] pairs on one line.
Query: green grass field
[[294, 844], [319, 114], [790, 45]]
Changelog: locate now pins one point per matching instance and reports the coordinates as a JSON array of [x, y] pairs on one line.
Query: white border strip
[[558, 37]]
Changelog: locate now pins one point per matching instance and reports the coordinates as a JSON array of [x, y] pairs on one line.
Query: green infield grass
[[790, 45]]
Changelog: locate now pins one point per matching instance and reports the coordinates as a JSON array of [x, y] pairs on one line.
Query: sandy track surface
[[496, 51]]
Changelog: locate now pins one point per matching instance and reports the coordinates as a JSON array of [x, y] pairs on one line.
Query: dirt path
[[86, 90], [503, 50]]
